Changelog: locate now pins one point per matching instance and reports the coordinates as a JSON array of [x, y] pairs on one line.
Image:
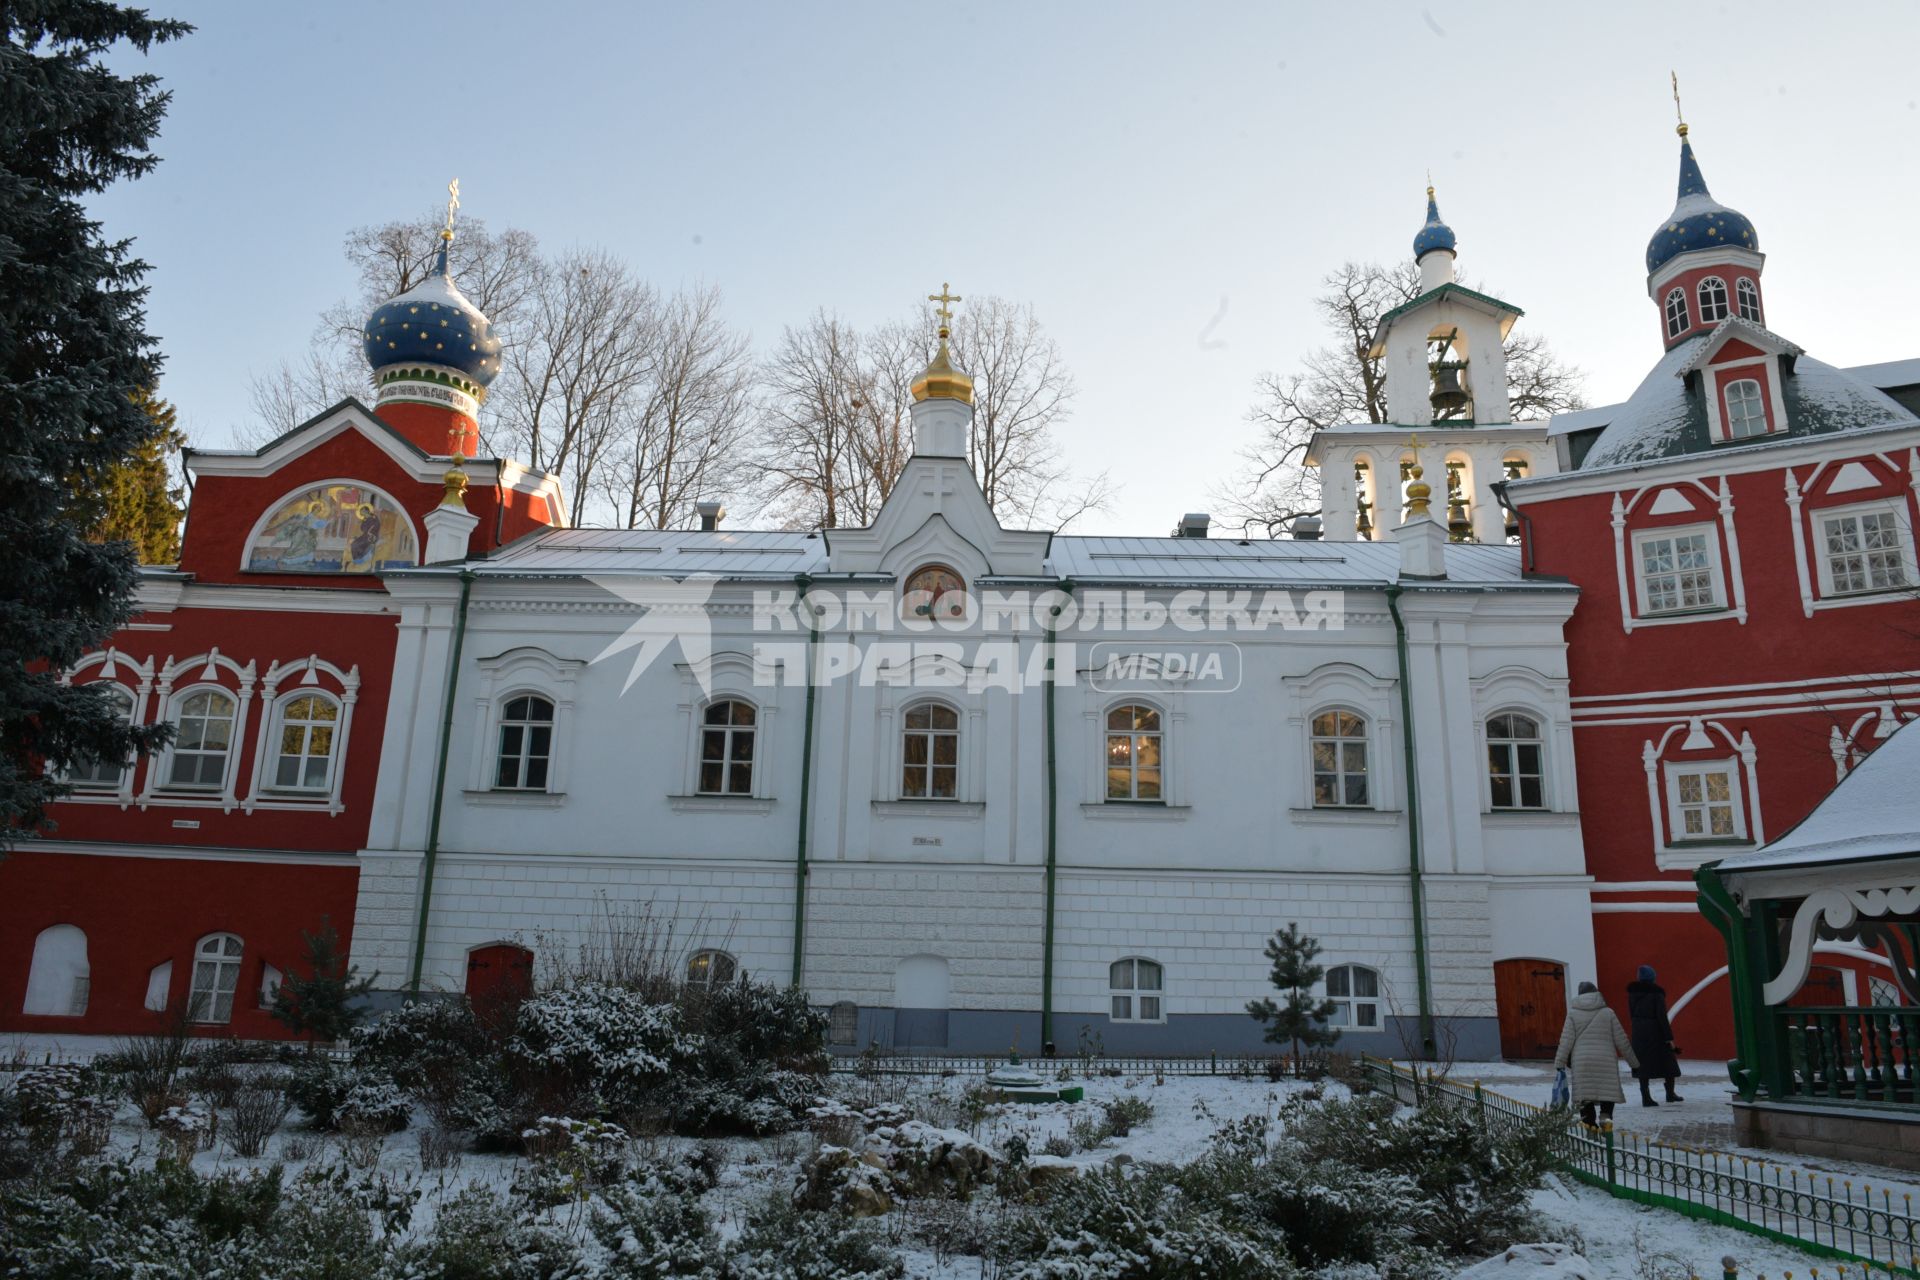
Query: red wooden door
[[499, 977], [1531, 996]]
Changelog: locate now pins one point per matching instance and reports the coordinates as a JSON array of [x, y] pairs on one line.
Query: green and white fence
[[1830, 1217]]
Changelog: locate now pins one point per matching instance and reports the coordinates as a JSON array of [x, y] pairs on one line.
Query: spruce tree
[[74, 356], [324, 1001], [135, 500], [1297, 1018]]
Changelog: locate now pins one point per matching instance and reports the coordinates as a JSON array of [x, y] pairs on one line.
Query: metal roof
[[774, 554]]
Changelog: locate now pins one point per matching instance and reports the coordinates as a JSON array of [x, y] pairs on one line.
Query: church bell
[[1448, 397]]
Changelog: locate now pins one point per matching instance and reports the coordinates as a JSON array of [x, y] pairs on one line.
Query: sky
[[1165, 183]]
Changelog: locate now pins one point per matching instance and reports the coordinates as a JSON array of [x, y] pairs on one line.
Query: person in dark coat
[[1652, 1036]]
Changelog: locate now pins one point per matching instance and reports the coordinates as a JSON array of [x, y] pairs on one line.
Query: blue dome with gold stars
[[433, 323], [1435, 234], [1698, 221]]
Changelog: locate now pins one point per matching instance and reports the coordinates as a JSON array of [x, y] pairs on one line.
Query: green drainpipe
[[1427, 1044], [439, 784], [1053, 840], [803, 582]]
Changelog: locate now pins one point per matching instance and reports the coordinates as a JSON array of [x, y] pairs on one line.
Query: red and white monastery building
[[1738, 536]]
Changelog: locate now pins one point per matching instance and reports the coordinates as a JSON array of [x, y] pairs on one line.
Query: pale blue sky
[[1127, 168]]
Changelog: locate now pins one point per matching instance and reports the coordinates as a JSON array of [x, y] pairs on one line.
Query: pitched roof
[[1873, 813]]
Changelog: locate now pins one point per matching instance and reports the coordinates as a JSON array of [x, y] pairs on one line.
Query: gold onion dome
[[940, 380]]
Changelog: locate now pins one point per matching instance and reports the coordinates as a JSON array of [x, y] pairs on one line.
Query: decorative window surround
[[1543, 699], [1517, 754], [1805, 523], [1332, 686], [1886, 522], [205, 669], [345, 692], [524, 670], [1677, 854], [1754, 368], [1727, 576], [1684, 547], [1844, 748], [116, 666], [718, 678], [898, 691], [1173, 787]]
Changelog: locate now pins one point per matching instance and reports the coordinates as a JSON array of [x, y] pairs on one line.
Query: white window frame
[[525, 754], [1368, 753], [1668, 532], [1903, 527], [523, 671], [1538, 741], [716, 963], [311, 675], [1347, 1007], [1757, 399], [176, 709], [1712, 309], [205, 671], [1744, 289], [1678, 318], [958, 733], [1134, 736], [1676, 825], [222, 961], [276, 729], [730, 734], [1136, 995], [123, 781]]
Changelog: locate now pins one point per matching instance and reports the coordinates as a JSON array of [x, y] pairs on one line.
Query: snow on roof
[[1760, 336], [1561, 424], [779, 555], [1891, 373], [1873, 813]]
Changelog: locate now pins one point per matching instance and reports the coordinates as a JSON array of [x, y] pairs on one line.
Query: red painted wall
[[1690, 282], [138, 912]]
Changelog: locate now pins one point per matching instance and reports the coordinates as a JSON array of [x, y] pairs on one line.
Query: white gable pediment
[[1671, 502], [1852, 477], [937, 512]]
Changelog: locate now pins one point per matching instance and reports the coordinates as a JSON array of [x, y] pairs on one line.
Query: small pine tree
[[322, 1003], [1297, 1018]]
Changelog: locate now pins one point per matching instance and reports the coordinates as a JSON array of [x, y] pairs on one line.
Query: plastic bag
[[1562, 1090]]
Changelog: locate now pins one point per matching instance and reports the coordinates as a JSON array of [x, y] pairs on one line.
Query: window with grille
[[202, 742], [1677, 572], [1135, 990], [1133, 754], [710, 968], [216, 975], [1746, 410], [930, 753], [1864, 550], [303, 759], [726, 748], [1339, 749], [1703, 801], [1747, 297], [1513, 761], [526, 744], [1677, 323]]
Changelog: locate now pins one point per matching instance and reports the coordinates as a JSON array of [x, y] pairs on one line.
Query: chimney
[[711, 514], [1306, 528], [1192, 525]]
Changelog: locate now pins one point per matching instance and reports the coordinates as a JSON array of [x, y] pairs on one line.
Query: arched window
[[1135, 987], [1133, 754], [304, 734], [1746, 411], [1713, 300], [710, 968], [1363, 500], [216, 975], [934, 591], [526, 744], [930, 753], [338, 527], [1676, 313], [104, 775], [202, 742], [59, 977], [1747, 296], [843, 1022], [1513, 761], [1355, 992], [1339, 747], [726, 748]]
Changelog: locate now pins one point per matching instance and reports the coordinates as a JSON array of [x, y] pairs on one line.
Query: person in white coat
[[1591, 1044]]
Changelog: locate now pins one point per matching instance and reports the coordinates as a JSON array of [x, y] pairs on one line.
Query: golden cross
[[1413, 443], [453, 203], [1678, 114], [946, 300]]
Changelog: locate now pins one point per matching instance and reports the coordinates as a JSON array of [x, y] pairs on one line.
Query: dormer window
[[1746, 410], [1676, 313], [1747, 295], [1713, 300]]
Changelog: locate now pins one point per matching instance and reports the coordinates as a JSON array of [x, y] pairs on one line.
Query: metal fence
[[1824, 1215], [1256, 1066]]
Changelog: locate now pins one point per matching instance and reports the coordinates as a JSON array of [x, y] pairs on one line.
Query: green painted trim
[[1428, 1045], [1432, 295], [1065, 586], [439, 784], [431, 373], [800, 870]]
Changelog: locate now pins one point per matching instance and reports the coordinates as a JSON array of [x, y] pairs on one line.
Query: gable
[[1734, 349], [936, 512]]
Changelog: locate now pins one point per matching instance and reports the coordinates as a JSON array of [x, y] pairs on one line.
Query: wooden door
[[499, 977], [1531, 996]]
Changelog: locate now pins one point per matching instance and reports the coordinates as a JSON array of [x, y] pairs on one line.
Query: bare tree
[[681, 432], [496, 272], [583, 351], [1341, 383], [817, 388]]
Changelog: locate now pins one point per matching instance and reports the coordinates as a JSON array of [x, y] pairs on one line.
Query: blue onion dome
[[1698, 221], [433, 324], [1435, 234]]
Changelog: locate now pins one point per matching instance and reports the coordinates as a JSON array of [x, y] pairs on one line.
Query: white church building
[[836, 757]]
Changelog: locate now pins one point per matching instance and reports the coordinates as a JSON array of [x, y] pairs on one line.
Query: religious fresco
[[335, 528]]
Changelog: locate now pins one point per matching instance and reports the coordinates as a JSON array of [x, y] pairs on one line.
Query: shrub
[[782, 1242], [332, 1095], [477, 1236], [439, 1051], [149, 1069], [590, 1049], [1125, 1111], [258, 1111], [653, 1229], [325, 1002], [571, 1158]]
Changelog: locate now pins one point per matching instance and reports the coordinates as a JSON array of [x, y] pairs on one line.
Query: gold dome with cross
[[940, 380]]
